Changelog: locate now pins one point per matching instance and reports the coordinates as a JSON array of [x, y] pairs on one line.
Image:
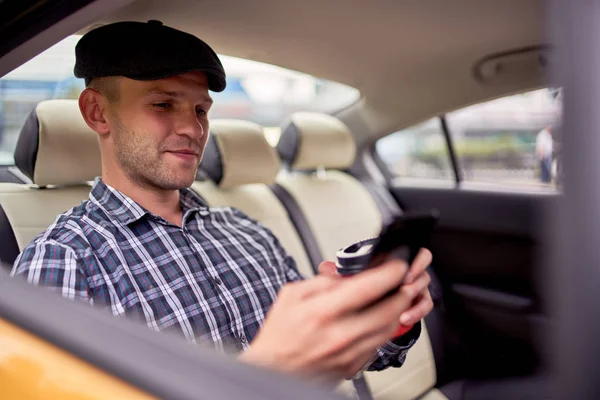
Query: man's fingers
[[418, 311], [417, 287], [371, 326], [420, 263], [359, 291], [379, 321], [328, 268]]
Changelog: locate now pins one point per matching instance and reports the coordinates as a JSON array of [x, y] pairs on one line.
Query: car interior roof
[[410, 60]]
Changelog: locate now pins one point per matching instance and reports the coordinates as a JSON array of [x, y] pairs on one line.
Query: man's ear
[[94, 106]]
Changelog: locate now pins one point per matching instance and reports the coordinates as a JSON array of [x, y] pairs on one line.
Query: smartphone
[[402, 238]]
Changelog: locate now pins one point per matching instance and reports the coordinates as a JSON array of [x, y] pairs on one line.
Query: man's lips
[[184, 153]]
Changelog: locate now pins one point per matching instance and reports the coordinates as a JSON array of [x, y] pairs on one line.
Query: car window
[[513, 142], [417, 152], [257, 92]]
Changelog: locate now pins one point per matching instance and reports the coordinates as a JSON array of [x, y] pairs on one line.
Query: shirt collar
[[124, 210]]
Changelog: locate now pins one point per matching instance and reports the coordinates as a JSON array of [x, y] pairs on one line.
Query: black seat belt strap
[[363, 392]]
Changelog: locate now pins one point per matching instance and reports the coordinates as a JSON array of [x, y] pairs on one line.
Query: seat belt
[[361, 388], [385, 201], [388, 208]]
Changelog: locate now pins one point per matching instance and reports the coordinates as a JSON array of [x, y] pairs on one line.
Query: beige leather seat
[[241, 164], [316, 149], [60, 154]]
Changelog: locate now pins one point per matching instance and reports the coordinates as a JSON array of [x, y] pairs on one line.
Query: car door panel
[[486, 253]]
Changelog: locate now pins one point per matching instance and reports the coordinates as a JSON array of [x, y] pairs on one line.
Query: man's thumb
[[327, 268]]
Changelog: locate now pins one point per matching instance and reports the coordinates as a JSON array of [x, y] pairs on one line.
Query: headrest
[[237, 153], [56, 146], [312, 140]]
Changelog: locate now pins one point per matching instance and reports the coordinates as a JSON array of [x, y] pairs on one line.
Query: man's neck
[[164, 203]]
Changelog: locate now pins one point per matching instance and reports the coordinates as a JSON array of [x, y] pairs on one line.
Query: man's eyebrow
[[175, 94]]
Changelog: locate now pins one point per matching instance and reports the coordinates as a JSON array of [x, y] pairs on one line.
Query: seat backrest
[[241, 164], [60, 154], [316, 149]]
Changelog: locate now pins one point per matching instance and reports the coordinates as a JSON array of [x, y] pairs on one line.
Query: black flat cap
[[145, 51]]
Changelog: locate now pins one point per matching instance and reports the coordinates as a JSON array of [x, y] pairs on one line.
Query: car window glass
[[512, 141], [418, 152]]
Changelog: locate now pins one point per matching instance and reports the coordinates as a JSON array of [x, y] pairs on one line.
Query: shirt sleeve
[[393, 353], [55, 266]]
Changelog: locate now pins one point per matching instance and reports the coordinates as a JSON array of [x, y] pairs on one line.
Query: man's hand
[[415, 286], [327, 328]]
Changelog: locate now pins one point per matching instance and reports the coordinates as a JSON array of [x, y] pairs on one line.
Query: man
[[544, 150], [145, 245]]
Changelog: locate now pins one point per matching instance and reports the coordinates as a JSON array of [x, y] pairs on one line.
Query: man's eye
[[162, 106], [201, 111]]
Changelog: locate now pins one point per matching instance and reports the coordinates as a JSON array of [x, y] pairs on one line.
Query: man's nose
[[189, 125]]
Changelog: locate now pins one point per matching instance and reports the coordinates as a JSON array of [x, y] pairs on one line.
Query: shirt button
[[217, 281], [243, 339]]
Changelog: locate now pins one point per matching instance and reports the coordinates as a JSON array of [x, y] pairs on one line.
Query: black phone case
[[403, 238]]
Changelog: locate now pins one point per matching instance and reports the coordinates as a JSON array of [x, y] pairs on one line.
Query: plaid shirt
[[212, 280]]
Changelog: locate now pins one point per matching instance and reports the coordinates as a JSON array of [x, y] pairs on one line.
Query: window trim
[[35, 18], [451, 151]]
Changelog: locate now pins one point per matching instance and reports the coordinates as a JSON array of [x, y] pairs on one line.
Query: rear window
[[257, 92]]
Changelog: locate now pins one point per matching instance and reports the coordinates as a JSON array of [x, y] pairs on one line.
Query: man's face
[[159, 129]]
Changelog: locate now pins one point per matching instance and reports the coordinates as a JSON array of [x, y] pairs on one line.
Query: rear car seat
[[60, 154], [316, 149], [241, 164]]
